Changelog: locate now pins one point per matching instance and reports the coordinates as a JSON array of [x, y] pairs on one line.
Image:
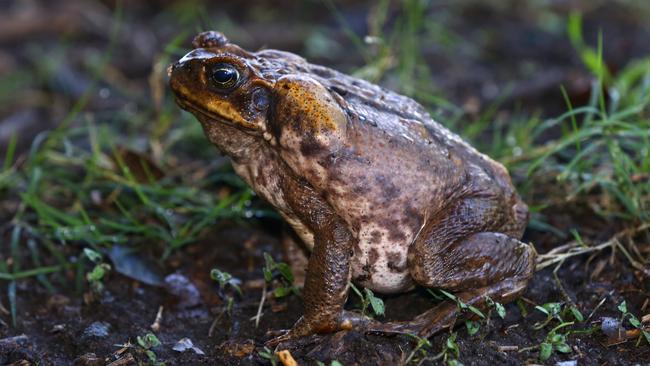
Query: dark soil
[[79, 328], [59, 328]]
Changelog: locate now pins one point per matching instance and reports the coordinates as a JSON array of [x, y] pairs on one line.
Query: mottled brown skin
[[380, 193]]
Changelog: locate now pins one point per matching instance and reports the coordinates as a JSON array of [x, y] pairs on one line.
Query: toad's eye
[[225, 76]]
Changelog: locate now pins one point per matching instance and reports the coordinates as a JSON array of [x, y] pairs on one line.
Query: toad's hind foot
[[445, 314], [430, 322], [482, 265]]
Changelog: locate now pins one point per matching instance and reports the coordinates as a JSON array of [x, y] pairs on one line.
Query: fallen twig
[[258, 316], [507, 348], [574, 248], [124, 361], [156, 323], [215, 322]]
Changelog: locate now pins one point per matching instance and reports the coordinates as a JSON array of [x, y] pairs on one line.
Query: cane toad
[[381, 194]]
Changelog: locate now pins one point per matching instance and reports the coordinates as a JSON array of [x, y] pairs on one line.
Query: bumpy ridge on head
[[209, 39]]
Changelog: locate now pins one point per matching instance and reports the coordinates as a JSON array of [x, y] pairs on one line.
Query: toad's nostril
[[173, 67], [178, 66]]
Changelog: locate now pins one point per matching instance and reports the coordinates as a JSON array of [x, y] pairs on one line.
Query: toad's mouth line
[[191, 107]]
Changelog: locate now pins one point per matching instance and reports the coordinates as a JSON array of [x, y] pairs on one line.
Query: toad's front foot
[[300, 329], [305, 327]]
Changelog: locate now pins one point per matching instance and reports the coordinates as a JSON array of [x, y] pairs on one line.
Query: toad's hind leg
[[483, 265]]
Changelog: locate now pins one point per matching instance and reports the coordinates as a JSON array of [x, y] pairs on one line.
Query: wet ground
[[483, 50], [61, 328]]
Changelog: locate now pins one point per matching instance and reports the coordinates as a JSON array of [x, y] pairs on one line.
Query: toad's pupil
[[225, 76]]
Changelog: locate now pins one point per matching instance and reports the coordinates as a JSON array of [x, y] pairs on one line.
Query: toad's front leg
[[328, 270]]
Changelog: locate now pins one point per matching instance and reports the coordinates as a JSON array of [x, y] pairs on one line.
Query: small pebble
[[57, 328], [186, 344], [610, 326], [181, 287], [567, 363], [97, 329]]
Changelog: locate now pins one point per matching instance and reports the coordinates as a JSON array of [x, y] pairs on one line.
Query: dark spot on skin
[[360, 189], [373, 257], [355, 227], [394, 259], [424, 161], [356, 247], [363, 277], [344, 154], [389, 189], [297, 123], [394, 233], [325, 195], [366, 270], [310, 147], [375, 237], [275, 125], [393, 267], [413, 218]]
